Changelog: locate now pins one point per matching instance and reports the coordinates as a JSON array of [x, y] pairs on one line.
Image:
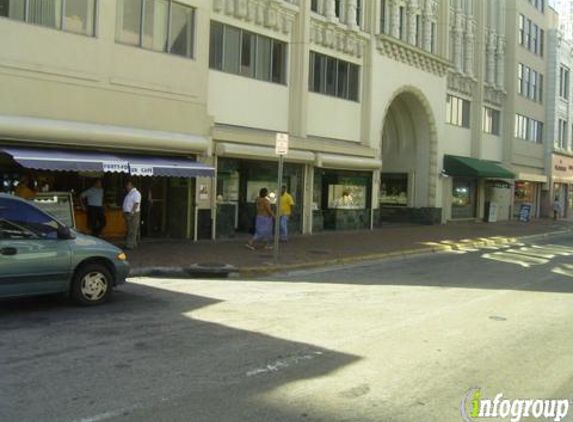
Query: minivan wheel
[[92, 285]]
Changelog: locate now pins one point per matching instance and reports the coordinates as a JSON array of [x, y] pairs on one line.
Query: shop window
[[334, 77], [524, 192], [157, 25], [346, 197], [236, 51], [394, 189], [76, 16]]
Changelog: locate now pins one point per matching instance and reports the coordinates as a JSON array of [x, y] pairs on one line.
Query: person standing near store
[[92, 201], [131, 213], [263, 221], [286, 211], [556, 208], [23, 190]]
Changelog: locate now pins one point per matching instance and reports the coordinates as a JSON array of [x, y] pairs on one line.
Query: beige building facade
[[397, 110]]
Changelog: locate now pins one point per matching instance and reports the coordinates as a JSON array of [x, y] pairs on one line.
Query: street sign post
[[281, 149]]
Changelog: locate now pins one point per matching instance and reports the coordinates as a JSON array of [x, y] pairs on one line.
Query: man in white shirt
[[92, 201], [131, 212]]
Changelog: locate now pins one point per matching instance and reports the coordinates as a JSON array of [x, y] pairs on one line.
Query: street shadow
[[141, 353]]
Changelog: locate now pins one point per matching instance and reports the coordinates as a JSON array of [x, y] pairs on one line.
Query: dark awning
[[63, 160], [166, 167], [137, 165], [466, 166]]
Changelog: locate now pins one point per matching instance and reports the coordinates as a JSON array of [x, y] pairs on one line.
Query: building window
[[359, 12], [561, 134], [76, 16], [314, 6], [521, 29], [531, 36], [383, 17], [528, 129], [491, 119], [529, 83], [520, 79], [333, 77], [457, 111], [158, 25], [402, 22], [236, 51], [538, 4], [564, 82]]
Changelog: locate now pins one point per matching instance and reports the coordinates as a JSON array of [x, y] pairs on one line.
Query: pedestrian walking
[[92, 202], [556, 208], [263, 222], [131, 213], [286, 211]]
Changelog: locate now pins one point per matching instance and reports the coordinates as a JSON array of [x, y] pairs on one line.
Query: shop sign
[[281, 147], [562, 166], [140, 170], [115, 166]]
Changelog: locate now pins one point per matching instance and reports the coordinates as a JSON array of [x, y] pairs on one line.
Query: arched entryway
[[408, 179]]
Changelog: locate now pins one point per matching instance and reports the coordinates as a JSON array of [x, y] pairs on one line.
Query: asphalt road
[[393, 341]]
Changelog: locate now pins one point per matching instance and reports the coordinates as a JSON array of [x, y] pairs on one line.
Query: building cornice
[[412, 56], [337, 37], [275, 15]]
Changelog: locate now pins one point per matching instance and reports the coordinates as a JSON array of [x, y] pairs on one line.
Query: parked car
[[40, 255]]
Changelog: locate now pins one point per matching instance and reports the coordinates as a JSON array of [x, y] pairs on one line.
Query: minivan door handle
[[8, 251]]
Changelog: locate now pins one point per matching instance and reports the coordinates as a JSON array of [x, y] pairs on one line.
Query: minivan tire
[[92, 285]]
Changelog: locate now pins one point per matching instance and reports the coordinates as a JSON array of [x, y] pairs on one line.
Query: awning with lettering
[[94, 161], [473, 167]]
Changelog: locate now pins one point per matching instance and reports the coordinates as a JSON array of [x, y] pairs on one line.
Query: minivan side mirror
[[65, 233]]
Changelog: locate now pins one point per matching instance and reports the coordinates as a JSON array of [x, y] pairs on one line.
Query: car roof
[[13, 197]]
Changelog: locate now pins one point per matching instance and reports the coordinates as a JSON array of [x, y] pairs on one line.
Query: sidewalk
[[331, 248]]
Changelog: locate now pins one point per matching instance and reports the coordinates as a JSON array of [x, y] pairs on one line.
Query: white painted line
[[283, 364]]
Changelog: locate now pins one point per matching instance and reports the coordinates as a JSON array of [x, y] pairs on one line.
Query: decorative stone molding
[[410, 55], [493, 95], [337, 38], [270, 14], [461, 83]]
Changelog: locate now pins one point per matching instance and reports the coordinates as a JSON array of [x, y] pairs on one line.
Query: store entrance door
[[464, 198], [153, 191]]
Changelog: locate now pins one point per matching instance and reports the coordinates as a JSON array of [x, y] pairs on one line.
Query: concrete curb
[[257, 271]]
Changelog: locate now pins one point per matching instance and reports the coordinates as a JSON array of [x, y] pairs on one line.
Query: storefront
[[561, 187], [475, 186], [58, 177], [342, 192], [527, 193], [242, 171]]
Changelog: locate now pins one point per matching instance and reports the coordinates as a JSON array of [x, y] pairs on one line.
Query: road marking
[[283, 364], [108, 415]]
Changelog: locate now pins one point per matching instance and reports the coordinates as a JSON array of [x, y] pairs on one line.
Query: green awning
[[466, 166]]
